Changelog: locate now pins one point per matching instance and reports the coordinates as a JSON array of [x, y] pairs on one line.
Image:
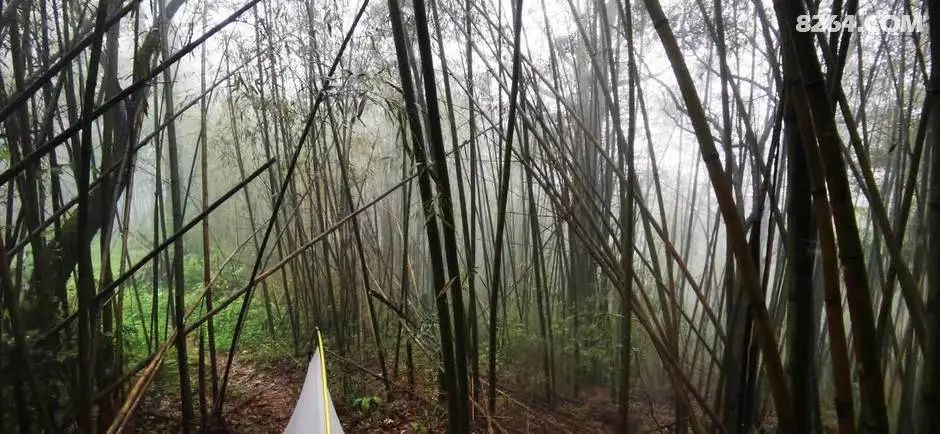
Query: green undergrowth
[[257, 340]]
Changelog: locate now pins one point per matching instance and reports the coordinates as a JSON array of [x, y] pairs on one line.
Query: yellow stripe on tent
[[326, 389]]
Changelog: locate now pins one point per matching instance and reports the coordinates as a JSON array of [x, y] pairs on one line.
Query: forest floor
[[262, 397]]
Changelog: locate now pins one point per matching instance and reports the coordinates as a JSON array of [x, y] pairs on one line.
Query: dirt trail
[[260, 400], [265, 399], [262, 397]]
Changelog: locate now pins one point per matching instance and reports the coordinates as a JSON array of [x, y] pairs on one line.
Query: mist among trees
[[697, 216]]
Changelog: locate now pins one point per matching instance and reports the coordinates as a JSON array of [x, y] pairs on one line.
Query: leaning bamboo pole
[[733, 224]]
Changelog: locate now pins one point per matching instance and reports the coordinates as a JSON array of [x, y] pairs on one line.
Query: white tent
[[315, 403]]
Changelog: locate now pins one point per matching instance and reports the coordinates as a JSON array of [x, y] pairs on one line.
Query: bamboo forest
[[470, 216]]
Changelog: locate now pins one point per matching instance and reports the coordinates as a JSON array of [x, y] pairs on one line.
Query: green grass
[[139, 300]]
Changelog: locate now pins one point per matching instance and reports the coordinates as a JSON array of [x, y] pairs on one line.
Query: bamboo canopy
[[483, 215]]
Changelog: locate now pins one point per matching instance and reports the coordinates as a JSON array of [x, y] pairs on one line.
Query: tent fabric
[[314, 402]]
